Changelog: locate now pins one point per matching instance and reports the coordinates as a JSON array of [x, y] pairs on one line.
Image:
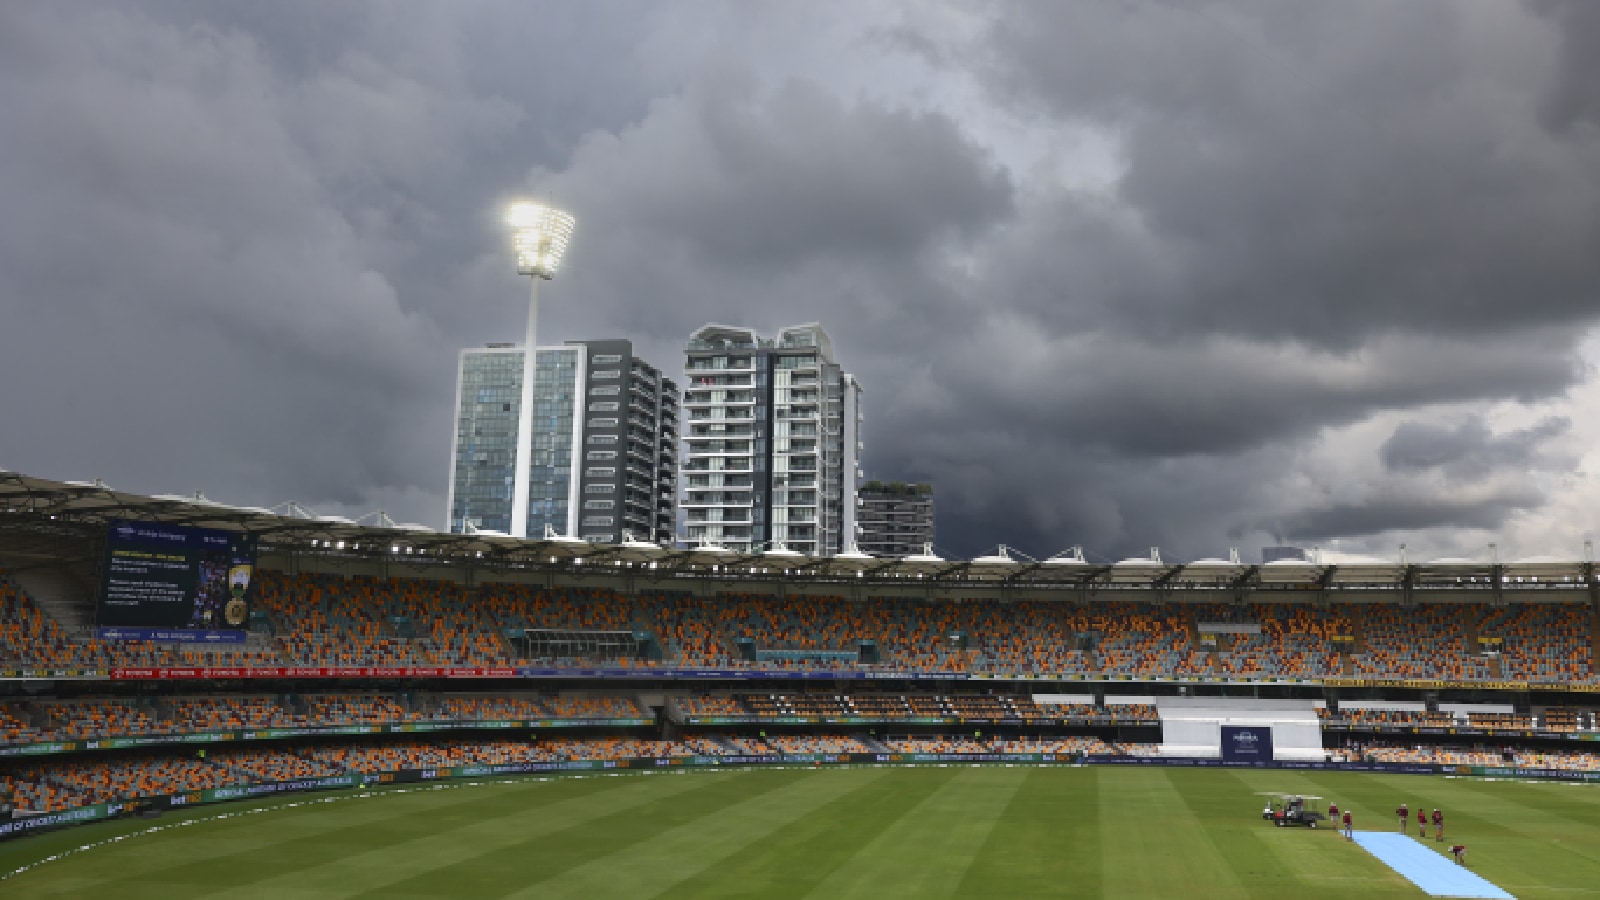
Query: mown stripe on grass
[[792, 861], [559, 844], [1324, 862], [1275, 862], [1046, 842], [1239, 841], [157, 865], [926, 851], [646, 868], [428, 846], [1153, 840]]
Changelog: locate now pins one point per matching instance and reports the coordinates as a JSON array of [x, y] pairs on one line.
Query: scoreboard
[[159, 576]]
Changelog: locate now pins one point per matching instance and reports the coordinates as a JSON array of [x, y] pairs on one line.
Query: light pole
[[539, 235]]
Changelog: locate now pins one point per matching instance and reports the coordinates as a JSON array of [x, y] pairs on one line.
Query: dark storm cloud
[[1375, 516], [243, 242], [771, 206], [1573, 99], [1322, 172], [240, 247], [1469, 448], [1322, 212], [775, 182], [1206, 396]]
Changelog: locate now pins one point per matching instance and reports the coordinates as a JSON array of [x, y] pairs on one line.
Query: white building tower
[[772, 430]]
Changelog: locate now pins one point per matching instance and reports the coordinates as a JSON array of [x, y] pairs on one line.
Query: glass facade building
[[604, 456], [488, 401], [550, 472]]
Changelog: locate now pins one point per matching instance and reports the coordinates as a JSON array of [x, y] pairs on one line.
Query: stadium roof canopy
[[28, 502]]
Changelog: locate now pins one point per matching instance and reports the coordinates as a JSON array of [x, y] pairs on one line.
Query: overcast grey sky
[[1121, 274]]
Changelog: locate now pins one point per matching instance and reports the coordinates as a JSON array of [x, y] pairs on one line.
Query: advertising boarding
[[1247, 744]]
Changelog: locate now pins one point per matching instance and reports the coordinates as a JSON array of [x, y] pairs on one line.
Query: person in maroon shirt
[[1405, 817], [1333, 813], [1349, 831], [1438, 825], [1422, 823], [1460, 851]]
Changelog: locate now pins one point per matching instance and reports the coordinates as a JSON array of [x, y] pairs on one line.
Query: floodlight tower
[[539, 235]]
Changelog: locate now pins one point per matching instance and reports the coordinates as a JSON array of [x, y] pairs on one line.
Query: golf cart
[[1284, 810]]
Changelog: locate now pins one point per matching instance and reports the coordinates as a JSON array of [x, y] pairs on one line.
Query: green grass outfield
[[926, 832]]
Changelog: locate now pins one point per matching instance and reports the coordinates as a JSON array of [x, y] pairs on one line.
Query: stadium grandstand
[[383, 653]]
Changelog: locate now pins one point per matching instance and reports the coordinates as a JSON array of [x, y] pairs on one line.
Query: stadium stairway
[[257, 641], [1594, 634], [1192, 629], [871, 743], [59, 596]]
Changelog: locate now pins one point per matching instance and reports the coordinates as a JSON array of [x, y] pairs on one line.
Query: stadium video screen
[[168, 576]]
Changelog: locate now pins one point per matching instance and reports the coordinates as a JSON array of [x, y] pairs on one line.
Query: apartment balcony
[[738, 398], [712, 365], [711, 381], [717, 482], [716, 517], [700, 345], [704, 465], [719, 414], [742, 451], [721, 425], [704, 436], [718, 498]]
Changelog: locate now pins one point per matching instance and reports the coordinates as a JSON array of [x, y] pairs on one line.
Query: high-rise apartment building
[[773, 438], [605, 443], [896, 519]]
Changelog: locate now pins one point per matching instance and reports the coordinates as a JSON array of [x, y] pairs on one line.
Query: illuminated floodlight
[[539, 236]]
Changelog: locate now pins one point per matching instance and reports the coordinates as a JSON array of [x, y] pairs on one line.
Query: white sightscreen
[[1297, 740], [1191, 737], [1193, 726]]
